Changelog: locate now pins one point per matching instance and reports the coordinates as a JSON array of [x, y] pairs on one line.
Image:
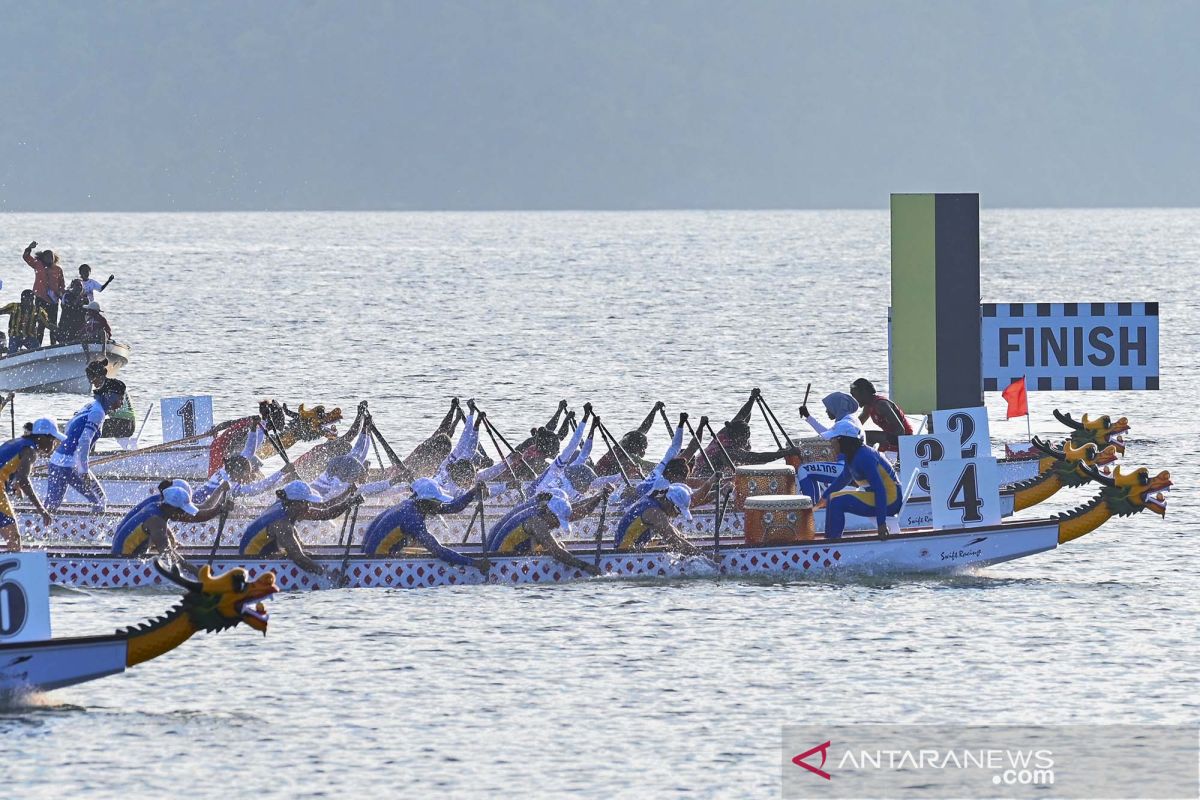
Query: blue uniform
[[399, 525], [509, 535], [881, 498], [62, 472], [10, 459], [258, 539], [131, 537], [814, 478], [633, 530]]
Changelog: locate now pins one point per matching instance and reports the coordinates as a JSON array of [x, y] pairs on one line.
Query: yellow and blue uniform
[[258, 540], [131, 537], [394, 528], [510, 535], [10, 459], [633, 531], [880, 499]]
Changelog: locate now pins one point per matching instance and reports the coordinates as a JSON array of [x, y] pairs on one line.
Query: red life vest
[[227, 441], [875, 409]]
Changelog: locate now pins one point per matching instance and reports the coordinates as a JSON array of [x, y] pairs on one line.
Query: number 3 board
[[964, 492]]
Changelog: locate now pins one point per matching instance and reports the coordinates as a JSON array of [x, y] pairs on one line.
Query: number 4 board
[[965, 493]]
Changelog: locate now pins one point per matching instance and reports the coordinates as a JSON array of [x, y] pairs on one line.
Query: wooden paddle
[[352, 513], [600, 531], [212, 554]]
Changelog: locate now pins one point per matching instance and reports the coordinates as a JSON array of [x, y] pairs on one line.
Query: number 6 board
[[964, 492], [24, 597]]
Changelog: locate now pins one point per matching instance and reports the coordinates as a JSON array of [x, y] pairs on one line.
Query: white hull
[[42, 666], [927, 552], [58, 369]]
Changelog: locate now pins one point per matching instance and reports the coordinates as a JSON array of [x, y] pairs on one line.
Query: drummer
[[650, 517], [814, 478], [145, 528], [879, 497], [17, 457], [275, 530]]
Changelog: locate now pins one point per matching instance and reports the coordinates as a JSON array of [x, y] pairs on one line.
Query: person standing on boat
[[650, 517], [888, 416], [27, 321], [405, 524], [145, 528], [17, 458], [48, 282], [70, 321], [528, 529], [90, 287], [879, 496], [275, 530], [69, 464], [95, 326]]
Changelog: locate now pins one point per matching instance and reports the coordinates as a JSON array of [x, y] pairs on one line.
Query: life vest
[[633, 530], [131, 537], [258, 539]]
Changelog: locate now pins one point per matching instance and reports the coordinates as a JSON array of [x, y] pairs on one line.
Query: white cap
[[44, 426], [299, 490], [680, 495], [561, 508], [180, 498], [93, 306], [660, 484], [428, 489], [846, 426]]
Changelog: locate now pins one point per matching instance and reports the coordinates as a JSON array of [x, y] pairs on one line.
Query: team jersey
[[398, 526], [633, 530], [258, 540], [82, 428], [509, 535], [131, 537], [10, 457]]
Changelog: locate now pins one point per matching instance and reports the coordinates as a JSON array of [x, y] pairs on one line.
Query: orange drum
[[813, 448], [779, 519], [751, 481]]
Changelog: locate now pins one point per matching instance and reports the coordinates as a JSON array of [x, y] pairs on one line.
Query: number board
[[917, 452], [183, 417], [24, 597], [964, 492], [970, 425]]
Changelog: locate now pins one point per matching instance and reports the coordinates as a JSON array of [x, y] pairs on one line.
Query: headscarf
[[840, 404]]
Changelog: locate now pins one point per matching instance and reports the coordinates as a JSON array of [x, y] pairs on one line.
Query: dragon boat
[[211, 603], [920, 551]]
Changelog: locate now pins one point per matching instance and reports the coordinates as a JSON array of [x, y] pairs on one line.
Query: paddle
[[770, 415], [212, 554], [604, 437], [499, 452], [352, 514], [767, 418], [600, 531], [483, 538], [662, 410], [494, 432], [12, 414], [276, 443], [704, 422], [700, 441], [604, 431]]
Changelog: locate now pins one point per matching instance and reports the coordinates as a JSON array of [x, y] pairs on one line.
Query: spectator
[[70, 323], [95, 326], [90, 287], [48, 283], [26, 322]]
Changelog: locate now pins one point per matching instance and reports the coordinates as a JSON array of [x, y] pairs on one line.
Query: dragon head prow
[[1130, 492], [1090, 453], [314, 422], [218, 602], [1102, 430]]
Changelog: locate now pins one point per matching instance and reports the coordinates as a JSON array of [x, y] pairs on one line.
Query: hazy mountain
[[572, 104]]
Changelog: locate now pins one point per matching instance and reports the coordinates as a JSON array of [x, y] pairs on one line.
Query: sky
[[664, 104]]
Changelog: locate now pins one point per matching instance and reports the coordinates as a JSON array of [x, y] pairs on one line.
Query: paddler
[[17, 457], [651, 516], [634, 444], [879, 497], [403, 524], [69, 463], [145, 528], [275, 530], [529, 529], [886, 415], [424, 460]]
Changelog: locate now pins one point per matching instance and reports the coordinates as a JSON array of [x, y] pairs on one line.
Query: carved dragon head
[[313, 423], [1129, 493], [1070, 461], [1101, 431], [218, 602]]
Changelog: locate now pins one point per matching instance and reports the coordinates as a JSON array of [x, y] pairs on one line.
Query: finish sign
[[184, 417], [1070, 346]]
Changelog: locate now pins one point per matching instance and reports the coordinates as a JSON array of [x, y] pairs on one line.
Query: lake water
[[602, 688]]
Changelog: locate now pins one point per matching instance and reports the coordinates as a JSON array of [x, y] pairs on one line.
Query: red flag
[[1018, 399]]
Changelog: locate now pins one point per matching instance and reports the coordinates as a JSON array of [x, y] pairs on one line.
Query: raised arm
[[648, 422], [743, 414], [450, 421], [558, 412], [28, 256]]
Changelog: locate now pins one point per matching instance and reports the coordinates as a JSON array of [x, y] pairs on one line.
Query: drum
[[813, 448], [779, 519], [751, 481]]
